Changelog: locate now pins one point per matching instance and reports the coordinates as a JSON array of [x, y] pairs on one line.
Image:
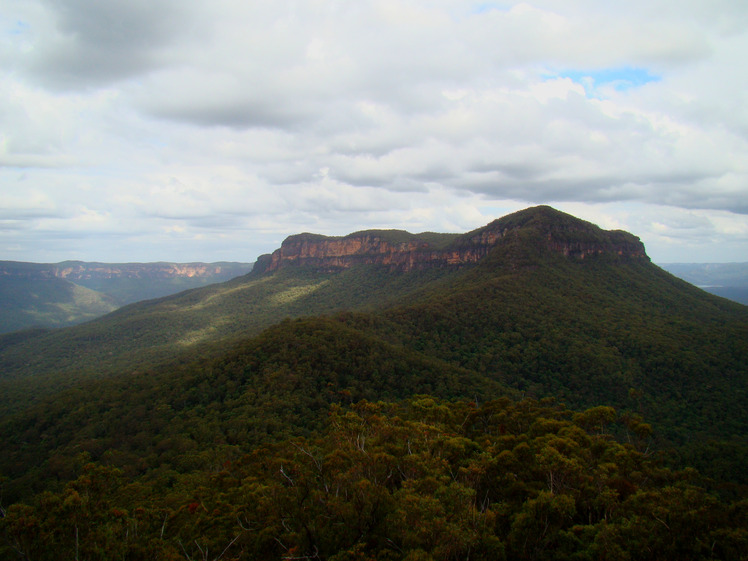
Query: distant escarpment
[[62, 294], [76, 271], [543, 226]]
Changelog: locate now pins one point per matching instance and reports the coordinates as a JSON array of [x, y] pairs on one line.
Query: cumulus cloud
[[240, 122]]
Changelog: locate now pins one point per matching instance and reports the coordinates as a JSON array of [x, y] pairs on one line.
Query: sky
[[196, 130]]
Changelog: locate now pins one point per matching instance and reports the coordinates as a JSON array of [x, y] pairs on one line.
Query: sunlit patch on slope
[[203, 334], [295, 292]]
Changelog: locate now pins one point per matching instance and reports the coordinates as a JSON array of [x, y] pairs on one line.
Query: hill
[[71, 292], [50, 302], [537, 304]]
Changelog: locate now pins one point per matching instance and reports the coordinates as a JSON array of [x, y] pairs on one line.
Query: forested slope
[[42, 302], [252, 442]]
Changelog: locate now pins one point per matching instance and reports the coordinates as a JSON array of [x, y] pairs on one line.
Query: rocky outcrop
[[402, 251]]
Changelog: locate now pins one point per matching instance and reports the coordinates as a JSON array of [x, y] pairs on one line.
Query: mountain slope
[[529, 300], [563, 329], [326, 276], [555, 306], [48, 302], [190, 323]]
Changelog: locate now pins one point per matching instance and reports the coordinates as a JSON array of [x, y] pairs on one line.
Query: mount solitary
[[529, 390]]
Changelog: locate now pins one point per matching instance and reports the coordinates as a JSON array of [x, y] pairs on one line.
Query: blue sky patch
[[14, 27], [621, 79]]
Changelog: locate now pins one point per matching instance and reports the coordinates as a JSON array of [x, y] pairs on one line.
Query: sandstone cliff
[[82, 271], [399, 250]]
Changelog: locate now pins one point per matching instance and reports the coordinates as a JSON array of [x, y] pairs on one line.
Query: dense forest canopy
[[422, 479]]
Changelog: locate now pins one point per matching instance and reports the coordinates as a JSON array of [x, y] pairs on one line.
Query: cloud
[[81, 44], [230, 119], [620, 79]]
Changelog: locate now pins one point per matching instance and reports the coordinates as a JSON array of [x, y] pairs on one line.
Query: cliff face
[[82, 271], [355, 249], [555, 231]]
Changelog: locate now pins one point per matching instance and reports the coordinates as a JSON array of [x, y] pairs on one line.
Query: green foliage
[[197, 323], [661, 348], [602, 330], [421, 479], [48, 302], [278, 383]]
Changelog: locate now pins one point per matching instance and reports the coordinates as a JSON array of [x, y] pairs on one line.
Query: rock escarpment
[[80, 271], [399, 250], [76, 271]]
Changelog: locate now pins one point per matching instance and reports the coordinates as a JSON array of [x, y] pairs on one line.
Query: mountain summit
[[403, 251]]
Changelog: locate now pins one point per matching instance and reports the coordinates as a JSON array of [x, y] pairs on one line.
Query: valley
[[37, 295]]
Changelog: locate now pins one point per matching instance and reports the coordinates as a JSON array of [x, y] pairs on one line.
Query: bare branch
[[227, 547], [284, 474], [184, 550]]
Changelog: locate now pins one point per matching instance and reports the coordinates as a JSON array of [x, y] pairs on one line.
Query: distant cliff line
[[81, 270]]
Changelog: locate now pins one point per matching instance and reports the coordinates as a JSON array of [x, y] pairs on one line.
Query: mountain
[[308, 275], [402, 251], [559, 363], [538, 300], [61, 294], [729, 280]]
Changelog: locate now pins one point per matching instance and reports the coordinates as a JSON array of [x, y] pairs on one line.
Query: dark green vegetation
[[729, 280], [424, 479], [212, 424], [71, 292], [48, 302]]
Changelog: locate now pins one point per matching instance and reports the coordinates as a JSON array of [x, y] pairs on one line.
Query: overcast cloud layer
[[185, 130]]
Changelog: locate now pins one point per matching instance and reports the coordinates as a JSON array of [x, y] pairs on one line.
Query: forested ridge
[[533, 406]]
